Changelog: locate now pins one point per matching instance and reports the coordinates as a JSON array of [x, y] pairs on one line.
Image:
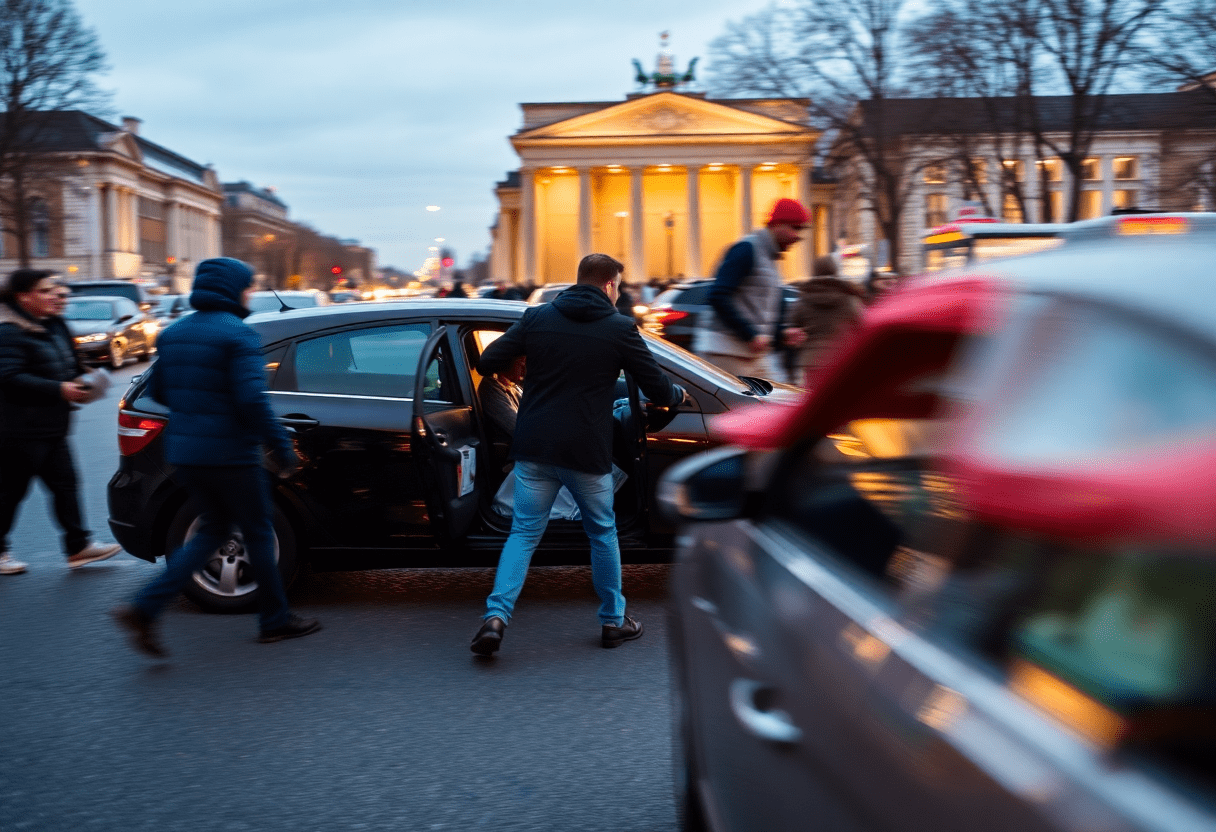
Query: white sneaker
[[10, 565], [93, 553]]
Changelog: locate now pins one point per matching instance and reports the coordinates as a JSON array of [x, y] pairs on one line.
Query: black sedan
[[398, 468], [967, 583], [110, 329]]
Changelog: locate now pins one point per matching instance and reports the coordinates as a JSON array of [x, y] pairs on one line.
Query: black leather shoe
[[611, 636], [489, 637], [141, 629], [296, 627]]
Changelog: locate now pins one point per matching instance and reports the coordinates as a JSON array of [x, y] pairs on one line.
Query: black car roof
[[276, 326]]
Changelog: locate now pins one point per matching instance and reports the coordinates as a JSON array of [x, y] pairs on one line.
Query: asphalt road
[[384, 720]]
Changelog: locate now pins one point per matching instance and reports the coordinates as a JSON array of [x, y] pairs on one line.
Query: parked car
[[967, 581], [139, 293], [397, 468], [677, 311], [275, 301], [546, 293], [110, 329], [166, 309], [345, 296]]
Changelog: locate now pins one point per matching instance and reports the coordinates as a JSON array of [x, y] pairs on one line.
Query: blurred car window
[[1113, 384], [89, 310], [367, 362]]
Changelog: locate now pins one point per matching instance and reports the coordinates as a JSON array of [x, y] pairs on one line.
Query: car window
[[1081, 383], [692, 364], [89, 310], [868, 495], [379, 361], [125, 307], [440, 384], [694, 295]]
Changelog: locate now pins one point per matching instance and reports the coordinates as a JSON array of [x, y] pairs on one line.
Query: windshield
[[685, 360], [89, 310]]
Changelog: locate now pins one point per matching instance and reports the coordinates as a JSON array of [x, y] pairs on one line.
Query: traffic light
[[336, 270], [447, 262]]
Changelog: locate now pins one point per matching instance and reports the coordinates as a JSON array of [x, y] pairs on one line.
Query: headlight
[[89, 339]]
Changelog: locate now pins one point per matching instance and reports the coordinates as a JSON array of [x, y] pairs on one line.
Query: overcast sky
[[363, 112]]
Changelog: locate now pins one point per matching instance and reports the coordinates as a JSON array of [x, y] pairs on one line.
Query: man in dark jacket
[[576, 347], [40, 383], [210, 376]]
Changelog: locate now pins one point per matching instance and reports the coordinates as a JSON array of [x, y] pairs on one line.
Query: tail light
[[135, 432], [663, 317]]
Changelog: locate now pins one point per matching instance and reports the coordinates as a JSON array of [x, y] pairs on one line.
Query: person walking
[[827, 311], [210, 376], [745, 331], [576, 347], [41, 383]]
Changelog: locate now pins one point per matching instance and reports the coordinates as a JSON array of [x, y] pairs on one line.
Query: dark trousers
[[50, 460], [237, 495]]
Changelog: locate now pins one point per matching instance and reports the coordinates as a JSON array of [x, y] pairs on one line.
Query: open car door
[[444, 442]]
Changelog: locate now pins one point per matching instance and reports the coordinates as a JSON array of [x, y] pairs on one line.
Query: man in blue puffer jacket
[[210, 376]]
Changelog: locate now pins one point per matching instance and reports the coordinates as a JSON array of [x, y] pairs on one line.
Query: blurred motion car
[[546, 293], [166, 309], [110, 329], [275, 301], [139, 293], [398, 468], [967, 582], [345, 296], [676, 312]]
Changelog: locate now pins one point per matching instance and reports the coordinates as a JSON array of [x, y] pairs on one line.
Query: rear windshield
[[89, 310], [118, 290]]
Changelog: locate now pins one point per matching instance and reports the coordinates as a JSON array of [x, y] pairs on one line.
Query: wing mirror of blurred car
[[125, 318], [708, 486]]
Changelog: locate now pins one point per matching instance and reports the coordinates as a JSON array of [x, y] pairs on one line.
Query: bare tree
[[846, 58], [48, 58]]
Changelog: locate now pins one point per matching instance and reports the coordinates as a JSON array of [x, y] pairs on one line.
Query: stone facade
[[117, 205]]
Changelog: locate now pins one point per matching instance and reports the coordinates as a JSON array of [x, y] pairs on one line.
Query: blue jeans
[[230, 496], [536, 487]]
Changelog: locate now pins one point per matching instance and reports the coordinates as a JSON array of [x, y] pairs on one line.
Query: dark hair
[[599, 269], [22, 281]]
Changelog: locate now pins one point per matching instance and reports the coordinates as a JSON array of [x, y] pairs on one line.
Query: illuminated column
[[527, 225], [113, 221], [1106, 170], [745, 198], [692, 265], [636, 267], [171, 232], [584, 212], [804, 252]]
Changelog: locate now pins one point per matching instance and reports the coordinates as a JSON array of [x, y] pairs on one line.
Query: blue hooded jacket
[[209, 374]]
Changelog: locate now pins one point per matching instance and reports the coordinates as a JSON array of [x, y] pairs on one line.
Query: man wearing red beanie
[[747, 324]]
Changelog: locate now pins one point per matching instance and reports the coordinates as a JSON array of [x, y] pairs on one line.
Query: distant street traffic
[[382, 721]]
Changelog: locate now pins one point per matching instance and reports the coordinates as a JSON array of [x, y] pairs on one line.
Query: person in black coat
[[576, 347], [40, 384], [210, 376]]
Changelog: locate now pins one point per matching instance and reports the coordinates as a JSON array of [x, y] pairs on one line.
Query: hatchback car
[[677, 312], [397, 465], [968, 581], [110, 329], [546, 293]]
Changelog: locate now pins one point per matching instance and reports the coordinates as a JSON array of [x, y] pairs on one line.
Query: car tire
[[118, 355], [224, 584], [146, 355]]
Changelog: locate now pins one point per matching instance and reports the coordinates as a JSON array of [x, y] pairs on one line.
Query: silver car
[[969, 582]]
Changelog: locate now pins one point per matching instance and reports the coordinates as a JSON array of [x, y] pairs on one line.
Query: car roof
[[275, 326]]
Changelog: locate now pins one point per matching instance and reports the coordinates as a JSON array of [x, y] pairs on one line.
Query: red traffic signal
[[447, 262], [336, 270]]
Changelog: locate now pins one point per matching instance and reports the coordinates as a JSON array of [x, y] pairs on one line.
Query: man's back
[[576, 347]]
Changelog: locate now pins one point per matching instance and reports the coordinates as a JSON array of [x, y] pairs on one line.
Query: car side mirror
[[125, 318], [708, 486]]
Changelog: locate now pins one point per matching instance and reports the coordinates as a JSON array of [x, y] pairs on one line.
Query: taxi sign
[[1136, 225]]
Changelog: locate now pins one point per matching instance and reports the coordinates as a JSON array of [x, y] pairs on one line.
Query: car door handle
[[298, 420], [769, 724]]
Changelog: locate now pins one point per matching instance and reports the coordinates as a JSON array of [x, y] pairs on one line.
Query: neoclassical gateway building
[[664, 181]]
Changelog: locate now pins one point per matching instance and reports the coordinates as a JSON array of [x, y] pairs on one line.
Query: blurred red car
[[969, 582]]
